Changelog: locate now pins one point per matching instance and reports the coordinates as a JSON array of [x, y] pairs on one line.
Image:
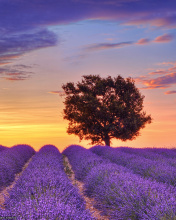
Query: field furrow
[[5, 192], [90, 202], [44, 191], [11, 162], [161, 169], [119, 193]]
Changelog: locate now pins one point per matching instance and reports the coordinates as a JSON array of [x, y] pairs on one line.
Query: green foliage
[[104, 108]]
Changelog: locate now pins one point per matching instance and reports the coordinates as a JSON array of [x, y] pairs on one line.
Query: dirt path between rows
[[5, 192], [68, 169], [89, 201]]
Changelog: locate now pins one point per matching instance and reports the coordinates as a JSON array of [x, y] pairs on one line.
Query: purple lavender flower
[[44, 191], [119, 192], [159, 168], [12, 161]]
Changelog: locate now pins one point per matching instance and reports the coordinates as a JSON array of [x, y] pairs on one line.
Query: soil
[[5, 192], [89, 201], [80, 185]]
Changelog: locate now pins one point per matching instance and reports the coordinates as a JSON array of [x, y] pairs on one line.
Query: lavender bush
[[170, 153], [124, 195], [44, 191], [119, 192], [161, 170], [162, 155], [2, 148], [150, 153], [12, 161], [82, 167]]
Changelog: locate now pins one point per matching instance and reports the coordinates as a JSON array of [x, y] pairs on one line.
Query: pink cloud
[[143, 41], [16, 78], [168, 63], [158, 72], [172, 69], [105, 46], [61, 93], [165, 38], [145, 19], [161, 82], [4, 63], [6, 59], [168, 21], [16, 72], [170, 92]]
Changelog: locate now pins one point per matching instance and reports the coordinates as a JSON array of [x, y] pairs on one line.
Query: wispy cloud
[[162, 20], [143, 41], [105, 46], [158, 72], [167, 63], [15, 45], [162, 82], [16, 72], [170, 92], [165, 38], [61, 93], [6, 59]]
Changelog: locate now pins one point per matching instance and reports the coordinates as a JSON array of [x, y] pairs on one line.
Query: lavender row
[[162, 155], [150, 153], [118, 192], [81, 166], [170, 153], [44, 191], [160, 170], [12, 161], [2, 148]]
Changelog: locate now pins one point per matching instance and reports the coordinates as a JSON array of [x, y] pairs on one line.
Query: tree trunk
[[107, 140]]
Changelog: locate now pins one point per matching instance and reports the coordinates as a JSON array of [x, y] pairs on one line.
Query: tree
[[104, 108]]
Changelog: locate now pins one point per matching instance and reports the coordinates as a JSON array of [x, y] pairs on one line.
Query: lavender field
[[123, 183]]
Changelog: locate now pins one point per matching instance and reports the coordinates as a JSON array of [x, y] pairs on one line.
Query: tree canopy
[[100, 109]]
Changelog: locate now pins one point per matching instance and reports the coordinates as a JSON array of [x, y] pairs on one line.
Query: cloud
[[24, 24], [15, 45], [61, 93], [16, 78], [165, 71], [165, 38], [26, 15], [172, 69], [170, 92], [162, 82], [16, 72], [6, 59], [168, 63], [105, 46], [161, 20], [143, 41], [158, 72]]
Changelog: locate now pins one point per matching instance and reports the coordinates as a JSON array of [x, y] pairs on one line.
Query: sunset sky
[[47, 43]]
